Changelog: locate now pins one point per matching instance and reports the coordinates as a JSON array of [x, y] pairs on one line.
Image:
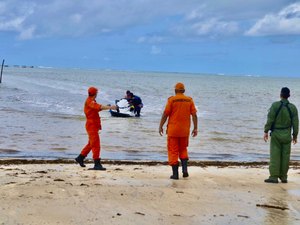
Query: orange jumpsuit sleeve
[[168, 107], [193, 108], [94, 105]]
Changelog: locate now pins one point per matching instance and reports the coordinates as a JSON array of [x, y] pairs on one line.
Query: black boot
[[184, 167], [175, 173], [80, 159], [271, 180], [98, 165]]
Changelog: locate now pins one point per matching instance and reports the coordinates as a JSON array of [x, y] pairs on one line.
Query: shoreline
[[254, 164]]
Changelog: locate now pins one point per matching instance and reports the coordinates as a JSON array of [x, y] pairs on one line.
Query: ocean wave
[[8, 151]]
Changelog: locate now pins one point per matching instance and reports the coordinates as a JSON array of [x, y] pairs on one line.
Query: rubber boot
[[272, 180], [283, 180], [184, 167], [80, 159], [97, 165], [175, 173]]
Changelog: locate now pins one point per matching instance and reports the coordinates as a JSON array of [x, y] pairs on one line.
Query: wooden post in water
[[1, 71]]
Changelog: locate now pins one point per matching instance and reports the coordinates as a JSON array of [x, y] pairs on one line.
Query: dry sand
[[142, 194]]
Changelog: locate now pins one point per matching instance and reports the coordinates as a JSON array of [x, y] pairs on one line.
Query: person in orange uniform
[[179, 110], [93, 125]]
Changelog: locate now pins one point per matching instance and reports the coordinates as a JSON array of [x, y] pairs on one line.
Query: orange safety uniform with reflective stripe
[[179, 109], [93, 125]]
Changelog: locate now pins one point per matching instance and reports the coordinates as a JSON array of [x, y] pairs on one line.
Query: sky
[[231, 37]]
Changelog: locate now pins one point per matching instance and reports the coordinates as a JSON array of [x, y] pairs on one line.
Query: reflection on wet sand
[[278, 208]]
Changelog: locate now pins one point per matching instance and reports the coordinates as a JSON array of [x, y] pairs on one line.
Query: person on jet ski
[[136, 102], [127, 95]]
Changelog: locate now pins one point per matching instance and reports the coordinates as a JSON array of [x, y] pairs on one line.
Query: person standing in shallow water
[[93, 125], [282, 121], [178, 111]]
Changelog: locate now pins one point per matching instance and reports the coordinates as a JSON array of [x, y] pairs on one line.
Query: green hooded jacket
[[286, 119]]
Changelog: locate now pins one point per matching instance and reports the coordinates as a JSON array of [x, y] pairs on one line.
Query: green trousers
[[280, 151]]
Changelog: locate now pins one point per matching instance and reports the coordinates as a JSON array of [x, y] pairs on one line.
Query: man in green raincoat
[[283, 123]]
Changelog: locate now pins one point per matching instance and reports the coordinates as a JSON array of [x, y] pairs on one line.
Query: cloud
[[13, 18], [286, 22], [67, 19], [151, 39], [29, 19], [27, 33], [211, 27], [13, 24], [76, 18], [155, 50]]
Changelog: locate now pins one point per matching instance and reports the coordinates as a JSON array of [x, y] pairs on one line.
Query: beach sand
[[60, 193]]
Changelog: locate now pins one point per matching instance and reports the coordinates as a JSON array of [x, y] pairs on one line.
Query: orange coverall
[[93, 125], [179, 109]]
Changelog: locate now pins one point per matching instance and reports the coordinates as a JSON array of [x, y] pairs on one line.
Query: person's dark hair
[[285, 92], [127, 92], [130, 95]]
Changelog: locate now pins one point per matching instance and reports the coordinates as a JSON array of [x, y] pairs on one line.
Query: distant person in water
[[179, 110], [93, 126], [283, 122], [136, 102]]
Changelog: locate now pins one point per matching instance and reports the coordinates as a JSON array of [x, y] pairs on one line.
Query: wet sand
[[52, 192]]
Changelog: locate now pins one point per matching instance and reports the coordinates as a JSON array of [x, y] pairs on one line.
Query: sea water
[[41, 113]]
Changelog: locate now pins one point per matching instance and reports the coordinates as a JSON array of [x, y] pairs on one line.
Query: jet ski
[[124, 109]]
